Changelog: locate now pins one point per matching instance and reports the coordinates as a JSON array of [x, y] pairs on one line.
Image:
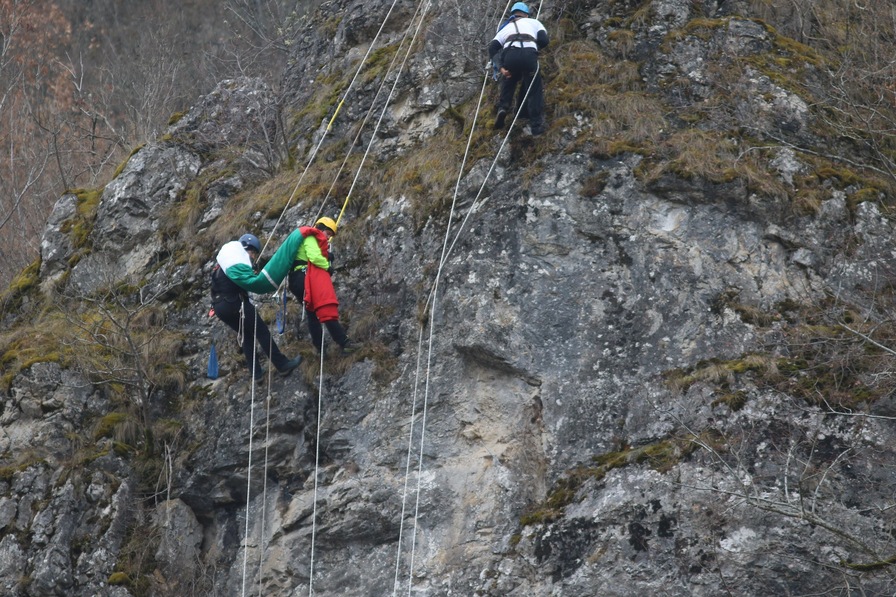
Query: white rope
[[241, 332], [446, 250], [320, 393], [376, 128], [407, 468], [432, 317], [249, 466], [491, 169], [422, 434], [369, 111], [430, 298], [266, 448], [264, 490], [489, 173], [330, 124]]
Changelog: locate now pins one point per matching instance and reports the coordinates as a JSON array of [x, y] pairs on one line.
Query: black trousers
[[227, 309], [296, 283], [523, 66]]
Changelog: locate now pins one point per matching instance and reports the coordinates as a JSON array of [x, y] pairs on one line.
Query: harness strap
[[518, 36]]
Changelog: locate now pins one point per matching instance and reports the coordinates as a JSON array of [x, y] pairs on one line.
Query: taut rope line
[[488, 174], [320, 393], [370, 111], [264, 490], [430, 298], [446, 251], [330, 123], [426, 5], [249, 465], [407, 469]]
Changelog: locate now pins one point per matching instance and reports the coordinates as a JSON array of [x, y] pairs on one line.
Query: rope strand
[[320, 393], [407, 468], [249, 466], [432, 301], [330, 123], [264, 490], [383, 111]]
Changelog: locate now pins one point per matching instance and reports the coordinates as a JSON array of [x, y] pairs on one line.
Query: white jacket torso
[[524, 27]]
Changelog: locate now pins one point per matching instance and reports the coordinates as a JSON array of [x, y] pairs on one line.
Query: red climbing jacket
[[320, 296]]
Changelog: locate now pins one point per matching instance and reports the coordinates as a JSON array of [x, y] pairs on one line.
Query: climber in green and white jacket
[[232, 258], [232, 280]]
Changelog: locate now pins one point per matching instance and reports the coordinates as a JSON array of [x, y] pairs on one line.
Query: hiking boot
[[500, 118], [290, 366], [349, 348], [537, 130]]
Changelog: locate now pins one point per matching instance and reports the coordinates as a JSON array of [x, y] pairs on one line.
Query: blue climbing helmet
[[250, 241], [520, 7]]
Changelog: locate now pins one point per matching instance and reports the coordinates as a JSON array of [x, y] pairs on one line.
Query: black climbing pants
[[523, 66], [227, 309], [337, 332]]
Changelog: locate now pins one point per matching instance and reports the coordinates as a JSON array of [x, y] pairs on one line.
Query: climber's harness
[[519, 37]]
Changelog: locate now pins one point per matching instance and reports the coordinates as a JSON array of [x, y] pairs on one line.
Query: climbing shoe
[[500, 118], [290, 366]]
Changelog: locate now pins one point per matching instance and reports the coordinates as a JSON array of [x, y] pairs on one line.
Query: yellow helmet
[[328, 222]]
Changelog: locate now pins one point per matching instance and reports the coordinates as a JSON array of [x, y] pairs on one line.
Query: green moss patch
[[660, 456], [24, 285], [37, 342]]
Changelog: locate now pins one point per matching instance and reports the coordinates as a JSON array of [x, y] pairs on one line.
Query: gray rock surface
[[600, 390]]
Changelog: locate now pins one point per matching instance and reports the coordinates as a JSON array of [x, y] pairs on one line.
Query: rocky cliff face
[[595, 373]]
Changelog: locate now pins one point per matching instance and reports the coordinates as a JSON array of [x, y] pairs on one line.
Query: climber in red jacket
[[310, 282]]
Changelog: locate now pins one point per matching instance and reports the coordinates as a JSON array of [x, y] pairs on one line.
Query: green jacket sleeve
[[269, 278]]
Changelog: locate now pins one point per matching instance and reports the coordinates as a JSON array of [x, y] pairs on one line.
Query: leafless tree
[[264, 31], [25, 156], [858, 98], [82, 84], [119, 338]]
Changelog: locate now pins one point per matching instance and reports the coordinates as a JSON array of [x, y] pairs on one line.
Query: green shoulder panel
[[274, 271]]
